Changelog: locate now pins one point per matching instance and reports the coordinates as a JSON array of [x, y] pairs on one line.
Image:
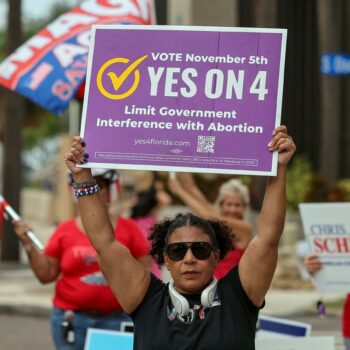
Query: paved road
[[328, 323], [23, 332]]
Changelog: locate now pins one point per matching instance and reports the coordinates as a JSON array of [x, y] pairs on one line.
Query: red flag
[[50, 67]]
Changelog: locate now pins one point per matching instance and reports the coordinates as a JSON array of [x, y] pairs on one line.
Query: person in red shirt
[[230, 207], [82, 298]]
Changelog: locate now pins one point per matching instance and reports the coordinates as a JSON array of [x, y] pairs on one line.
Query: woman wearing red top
[[230, 207], [82, 298]]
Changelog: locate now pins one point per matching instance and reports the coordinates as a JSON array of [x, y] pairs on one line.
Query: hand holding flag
[[12, 213]]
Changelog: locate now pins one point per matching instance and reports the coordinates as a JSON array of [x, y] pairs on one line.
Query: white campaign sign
[[302, 343], [327, 230]]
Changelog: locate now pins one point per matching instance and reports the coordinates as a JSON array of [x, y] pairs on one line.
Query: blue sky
[[33, 9]]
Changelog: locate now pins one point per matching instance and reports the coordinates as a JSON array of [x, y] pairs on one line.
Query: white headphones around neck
[[181, 305]]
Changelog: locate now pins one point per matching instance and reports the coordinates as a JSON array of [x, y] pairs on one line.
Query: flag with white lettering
[[50, 67]]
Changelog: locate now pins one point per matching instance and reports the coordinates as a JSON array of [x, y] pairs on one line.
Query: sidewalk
[[284, 303], [20, 291]]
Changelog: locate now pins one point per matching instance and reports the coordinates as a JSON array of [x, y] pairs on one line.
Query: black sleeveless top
[[229, 324]]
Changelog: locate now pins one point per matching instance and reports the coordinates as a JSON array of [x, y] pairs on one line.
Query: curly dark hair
[[220, 235]]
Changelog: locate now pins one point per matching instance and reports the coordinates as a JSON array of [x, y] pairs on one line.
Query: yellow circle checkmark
[[117, 81]]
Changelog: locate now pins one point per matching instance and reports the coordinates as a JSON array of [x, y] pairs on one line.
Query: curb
[[25, 310]]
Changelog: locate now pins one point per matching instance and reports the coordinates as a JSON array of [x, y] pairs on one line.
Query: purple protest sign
[[197, 99]]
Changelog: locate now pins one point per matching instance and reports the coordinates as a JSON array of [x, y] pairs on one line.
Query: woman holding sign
[[230, 207], [194, 311]]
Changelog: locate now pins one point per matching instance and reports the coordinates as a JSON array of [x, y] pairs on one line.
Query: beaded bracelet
[[84, 184], [86, 191]]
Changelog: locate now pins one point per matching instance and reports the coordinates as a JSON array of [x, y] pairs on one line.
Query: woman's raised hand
[[77, 155], [283, 144], [21, 228], [312, 264]]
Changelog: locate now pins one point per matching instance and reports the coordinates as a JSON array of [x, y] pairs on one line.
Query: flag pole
[[10, 211]]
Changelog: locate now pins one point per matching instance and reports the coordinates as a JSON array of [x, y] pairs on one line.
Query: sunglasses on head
[[177, 251]]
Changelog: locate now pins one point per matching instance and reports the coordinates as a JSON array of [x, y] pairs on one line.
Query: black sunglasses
[[177, 251]]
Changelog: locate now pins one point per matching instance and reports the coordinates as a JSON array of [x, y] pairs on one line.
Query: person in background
[[195, 311], [146, 204], [230, 206], [313, 264], [82, 298]]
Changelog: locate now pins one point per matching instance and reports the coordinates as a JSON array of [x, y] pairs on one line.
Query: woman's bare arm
[[258, 263], [200, 207], [45, 268], [128, 279], [189, 185]]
